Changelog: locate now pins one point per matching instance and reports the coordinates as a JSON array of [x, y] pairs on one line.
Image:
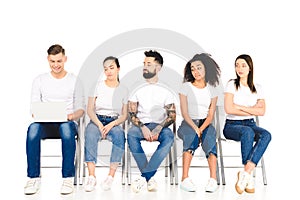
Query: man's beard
[[148, 75]]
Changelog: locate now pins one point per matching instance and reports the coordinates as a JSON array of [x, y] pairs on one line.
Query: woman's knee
[[267, 136], [118, 137], [248, 132], [185, 129], [210, 131], [190, 140], [92, 132]]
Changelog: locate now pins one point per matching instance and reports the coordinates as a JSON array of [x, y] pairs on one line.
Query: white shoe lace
[[91, 182], [191, 182], [30, 183], [107, 183], [32, 186], [210, 183], [151, 184], [188, 185], [67, 183], [250, 183], [244, 180], [138, 183]]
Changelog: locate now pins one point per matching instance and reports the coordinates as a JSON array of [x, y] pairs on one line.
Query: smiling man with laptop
[[57, 102]]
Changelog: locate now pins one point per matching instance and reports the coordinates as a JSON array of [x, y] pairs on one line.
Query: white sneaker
[[151, 185], [106, 184], [138, 184], [32, 185], [250, 188], [188, 185], [67, 185], [212, 185], [242, 181], [90, 184]]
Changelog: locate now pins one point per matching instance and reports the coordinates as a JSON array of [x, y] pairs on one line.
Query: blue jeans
[[67, 131], [165, 139], [247, 133], [191, 140], [92, 136]]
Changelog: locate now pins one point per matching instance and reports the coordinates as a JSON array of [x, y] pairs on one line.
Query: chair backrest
[[257, 120]]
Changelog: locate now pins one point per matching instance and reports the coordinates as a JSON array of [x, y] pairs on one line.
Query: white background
[[266, 30]]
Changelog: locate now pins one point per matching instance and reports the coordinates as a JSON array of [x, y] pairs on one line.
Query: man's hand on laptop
[[70, 117]]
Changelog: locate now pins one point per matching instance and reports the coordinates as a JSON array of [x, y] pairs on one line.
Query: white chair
[[169, 164], [78, 154], [178, 146], [220, 120], [103, 157]]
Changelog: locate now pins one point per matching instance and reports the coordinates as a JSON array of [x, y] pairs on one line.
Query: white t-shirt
[[46, 88], [152, 98], [109, 100], [244, 97], [198, 99]]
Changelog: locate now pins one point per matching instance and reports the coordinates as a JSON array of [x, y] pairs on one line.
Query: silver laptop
[[49, 111]]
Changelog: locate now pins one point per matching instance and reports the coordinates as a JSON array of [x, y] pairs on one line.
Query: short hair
[[157, 57], [56, 49]]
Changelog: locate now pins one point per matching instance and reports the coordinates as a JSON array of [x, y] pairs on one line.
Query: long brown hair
[[250, 83]]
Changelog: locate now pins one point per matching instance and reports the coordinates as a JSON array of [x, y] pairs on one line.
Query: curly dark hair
[[212, 69]]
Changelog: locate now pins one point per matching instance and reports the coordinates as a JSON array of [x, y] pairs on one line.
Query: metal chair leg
[[123, 169], [175, 164], [263, 170], [221, 160], [171, 167], [218, 173], [167, 165], [128, 171]]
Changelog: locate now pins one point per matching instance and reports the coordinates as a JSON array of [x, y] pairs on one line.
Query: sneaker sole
[[89, 190], [237, 188], [186, 189], [250, 190], [67, 192], [31, 193], [211, 191], [151, 189]]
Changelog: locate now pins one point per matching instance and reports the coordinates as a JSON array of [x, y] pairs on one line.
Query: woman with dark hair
[[107, 109], [243, 100], [198, 99]]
